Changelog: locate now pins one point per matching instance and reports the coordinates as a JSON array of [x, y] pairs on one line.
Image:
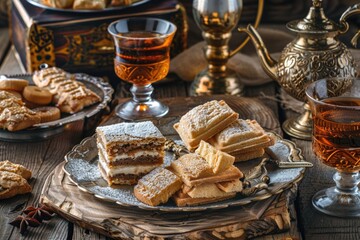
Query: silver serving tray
[[48, 129], [38, 3], [81, 167]]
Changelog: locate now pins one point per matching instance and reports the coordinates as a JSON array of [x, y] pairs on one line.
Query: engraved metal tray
[[39, 3], [48, 129], [81, 167]]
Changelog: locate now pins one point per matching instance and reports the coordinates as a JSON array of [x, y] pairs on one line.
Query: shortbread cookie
[[236, 132], [230, 186], [207, 190], [247, 155], [157, 187], [218, 160], [15, 168], [37, 95], [203, 122], [232, 173], [12, 184], [13, 84], [186, 200], [245, 139], [190, 167], [248, 145]]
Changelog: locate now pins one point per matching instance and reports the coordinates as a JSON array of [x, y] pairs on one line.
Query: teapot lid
[[315, 22]]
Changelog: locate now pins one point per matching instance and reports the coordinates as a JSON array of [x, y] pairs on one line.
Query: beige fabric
[[246, 63]]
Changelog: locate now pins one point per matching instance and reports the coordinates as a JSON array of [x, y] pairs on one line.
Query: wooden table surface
[[41, 157]]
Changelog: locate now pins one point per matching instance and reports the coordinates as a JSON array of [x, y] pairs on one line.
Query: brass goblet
[[217, 18], [142, 57]]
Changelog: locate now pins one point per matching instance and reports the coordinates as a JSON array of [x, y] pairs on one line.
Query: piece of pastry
[[116, 3], [128, 151], [69, 95], [191, 167], [15, 168], [89, 4], [12, 184], [182, 200], [218, 160], [244, 139], [157, 187], [203, 122], [18, 118], [58, 3]]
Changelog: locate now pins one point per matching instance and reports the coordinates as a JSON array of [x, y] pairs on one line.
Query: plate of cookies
[[217, 161], [37, 106], [85, 6]]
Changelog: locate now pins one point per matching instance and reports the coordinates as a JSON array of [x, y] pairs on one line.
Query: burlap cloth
[[245, 63]]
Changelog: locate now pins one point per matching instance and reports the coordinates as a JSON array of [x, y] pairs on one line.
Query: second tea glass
[[142, 48], [335, 106]]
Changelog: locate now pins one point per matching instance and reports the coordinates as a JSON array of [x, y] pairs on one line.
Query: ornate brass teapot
[[314, 54]]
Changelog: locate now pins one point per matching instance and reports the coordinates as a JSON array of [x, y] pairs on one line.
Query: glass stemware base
[[343, 200], [141, 106]]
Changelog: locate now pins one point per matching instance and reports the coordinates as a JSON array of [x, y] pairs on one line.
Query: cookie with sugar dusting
[[244, 139], [157, 187], [204, 121]]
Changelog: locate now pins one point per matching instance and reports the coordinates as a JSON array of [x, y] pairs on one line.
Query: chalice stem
[[343, 200], [347, 183], [142, 93]]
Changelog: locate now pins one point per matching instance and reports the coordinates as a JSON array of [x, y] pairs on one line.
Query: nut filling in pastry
[[128, 151]]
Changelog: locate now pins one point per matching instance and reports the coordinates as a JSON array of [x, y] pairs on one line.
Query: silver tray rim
[[38, 3], [295, 154], [45, 130]]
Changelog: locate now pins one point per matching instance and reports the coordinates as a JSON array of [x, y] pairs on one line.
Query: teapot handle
[[345, 25], [256, 24]]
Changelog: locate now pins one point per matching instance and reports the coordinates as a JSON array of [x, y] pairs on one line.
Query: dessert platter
[[132, 164], [86, 6], [82, 168], [69, 109]]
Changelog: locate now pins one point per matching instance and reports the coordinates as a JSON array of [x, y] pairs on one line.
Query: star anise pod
[[23, 222], [40, 213]]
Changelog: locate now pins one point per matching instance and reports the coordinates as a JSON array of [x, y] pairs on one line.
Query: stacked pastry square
[[128, 151], [208, 176], [195, 178], [216, 123], [244, 139]]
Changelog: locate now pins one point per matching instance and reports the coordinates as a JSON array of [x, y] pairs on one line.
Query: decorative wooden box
[[79, 42]]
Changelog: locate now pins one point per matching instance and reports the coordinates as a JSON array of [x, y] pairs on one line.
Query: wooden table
[[42, 157]]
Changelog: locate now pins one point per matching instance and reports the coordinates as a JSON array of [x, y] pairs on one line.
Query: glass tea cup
[[142, 47], [335, 106]]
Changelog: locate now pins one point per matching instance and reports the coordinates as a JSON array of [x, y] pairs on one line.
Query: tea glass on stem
[[335, 106], [142, 57]]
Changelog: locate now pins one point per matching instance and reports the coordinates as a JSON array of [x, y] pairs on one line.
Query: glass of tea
[[335, 107], [142, 47]]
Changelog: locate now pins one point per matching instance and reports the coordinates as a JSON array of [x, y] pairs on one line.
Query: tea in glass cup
[[142, 47], [335, 106]]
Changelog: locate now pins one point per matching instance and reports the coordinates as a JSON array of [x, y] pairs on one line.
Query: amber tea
[[336, 135], [142, 58]]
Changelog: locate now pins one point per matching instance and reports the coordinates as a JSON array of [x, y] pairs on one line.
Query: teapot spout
[[267, 62]]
